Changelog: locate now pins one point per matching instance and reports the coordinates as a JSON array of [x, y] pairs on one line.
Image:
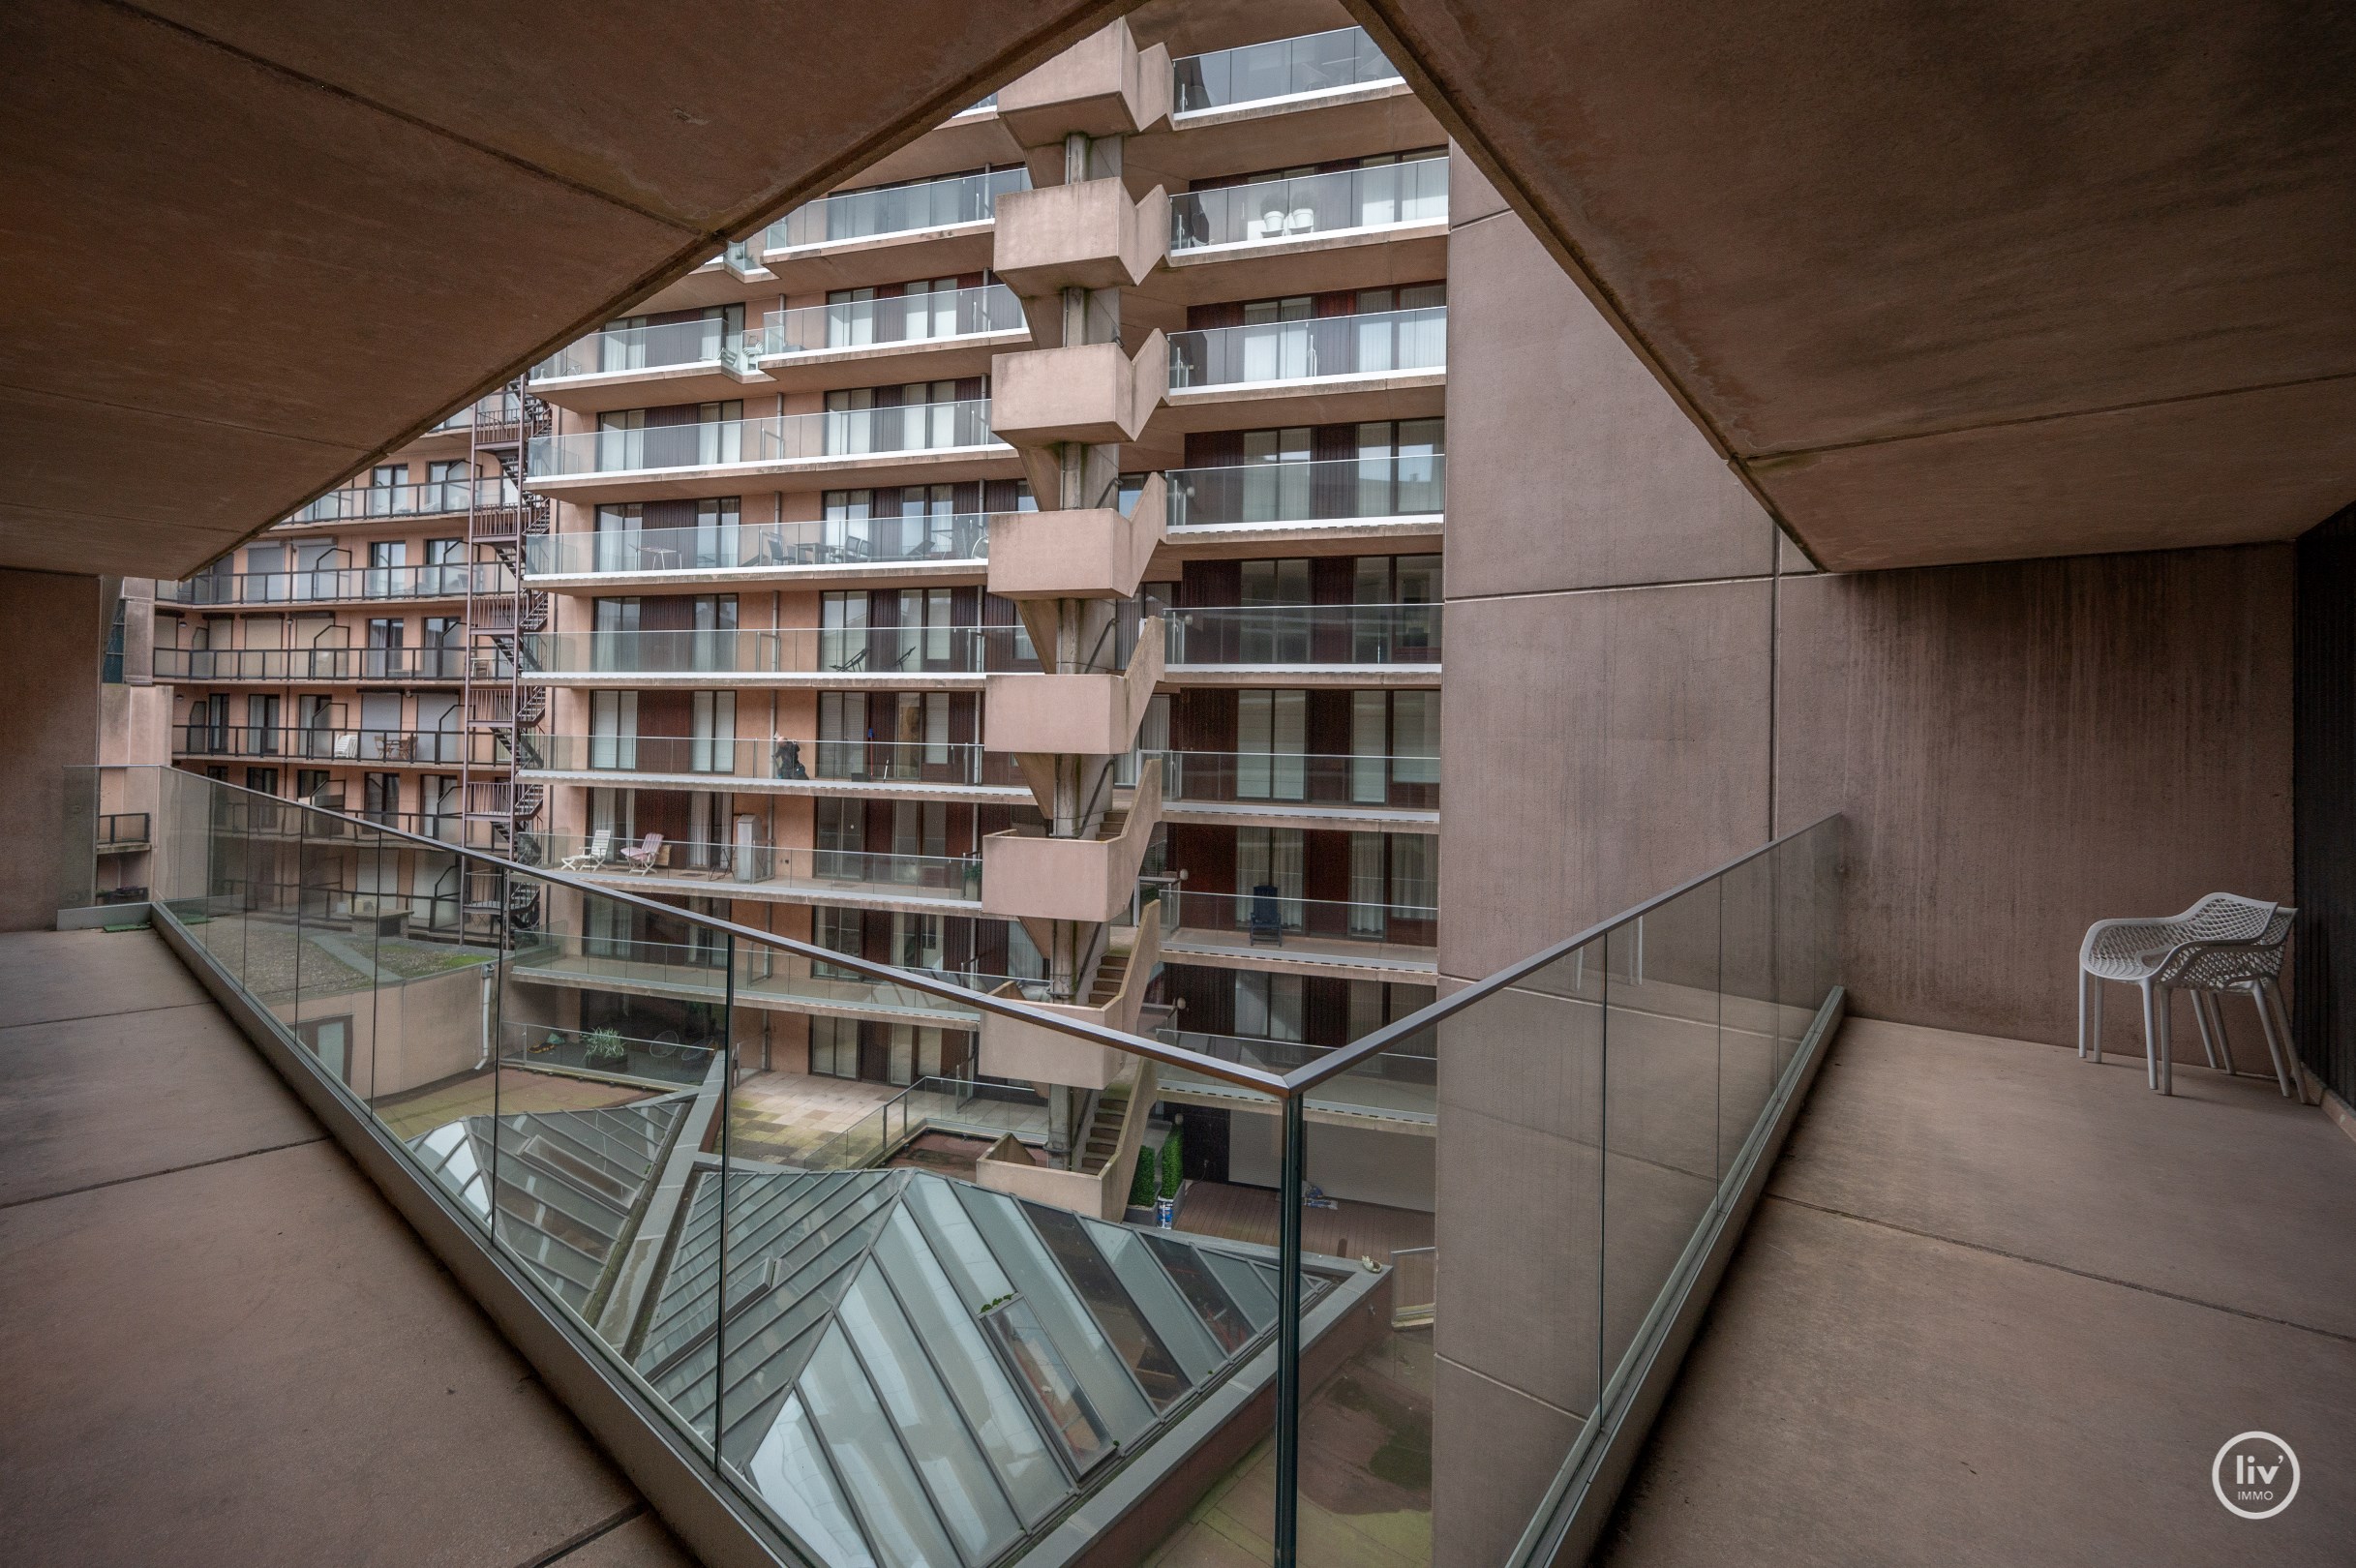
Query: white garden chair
[[600, 850], [2210, 968], [2148, 953]]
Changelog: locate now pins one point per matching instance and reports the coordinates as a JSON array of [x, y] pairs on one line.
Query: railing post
[[728, 1089], [1289, 1342]]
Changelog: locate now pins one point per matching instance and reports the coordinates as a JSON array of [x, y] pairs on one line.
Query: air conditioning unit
[[363, 906]]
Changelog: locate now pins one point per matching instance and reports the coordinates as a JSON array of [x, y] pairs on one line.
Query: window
[[330, 1040], [1271, 737], [842, 734], [263, 780], [843, 931], [310, 787], [383, 660], [1269, 1007], [380, 798], [835, 1047], [714, 749], [842, 837], [261, 728], [842, 634], [614, 729]]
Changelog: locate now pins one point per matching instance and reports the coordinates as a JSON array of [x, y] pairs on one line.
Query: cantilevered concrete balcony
[[1371, 228], [1103, 87], [933, 228], [921, 443], [1091, 715], [1090, 553], [1088, 879], [1089, 393], [1086, 235], [636, 366], [1321, 370]]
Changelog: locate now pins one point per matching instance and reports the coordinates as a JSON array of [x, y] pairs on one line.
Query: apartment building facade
[[1023, 566]]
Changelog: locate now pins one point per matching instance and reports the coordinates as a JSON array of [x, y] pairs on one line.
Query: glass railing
[[619, 349], [307, 744], [303, 664], [1286, 68], [921, 426], [1270, 918], [588, 1083], [437, 497], [877, 651], [1305, 634], [869, 323], [783, 868], [451, 580], [1293, 778], [1332, 490], [1382, 195], [1375, 343], [895, 209], [834, 542], [500, 411], [958, 1106], [877, 762]]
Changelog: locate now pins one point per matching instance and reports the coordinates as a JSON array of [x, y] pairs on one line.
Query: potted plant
[[603, 1047]]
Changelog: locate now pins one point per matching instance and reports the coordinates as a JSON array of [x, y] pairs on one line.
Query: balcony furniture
[[785, 761], [644, 858], [2148, 955], [600, 851], [2210, 968], [1267, 923]]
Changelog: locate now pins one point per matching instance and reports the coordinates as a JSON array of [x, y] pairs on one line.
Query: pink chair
[[642, 858]]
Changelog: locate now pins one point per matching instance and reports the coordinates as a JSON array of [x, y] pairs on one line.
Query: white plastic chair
[[2209, 969], [2144, 953], [600, 850]]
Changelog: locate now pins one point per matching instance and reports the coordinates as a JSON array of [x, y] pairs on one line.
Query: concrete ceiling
[[250, 245], [1951, 282]]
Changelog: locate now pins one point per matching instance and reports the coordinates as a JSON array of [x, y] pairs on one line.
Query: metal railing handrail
[[1267, 1083], [1301, 1078]]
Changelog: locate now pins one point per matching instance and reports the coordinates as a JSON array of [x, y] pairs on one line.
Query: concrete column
[[52, 635]]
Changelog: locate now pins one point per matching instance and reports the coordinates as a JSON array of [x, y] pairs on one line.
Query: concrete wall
[[52, 632], [1644, 681]]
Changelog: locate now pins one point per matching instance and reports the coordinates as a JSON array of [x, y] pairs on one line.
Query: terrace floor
[[2003, 1306], [223, 1347]]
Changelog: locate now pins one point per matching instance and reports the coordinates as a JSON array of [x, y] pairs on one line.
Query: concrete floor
[[221, 1345], [2001, 1306]]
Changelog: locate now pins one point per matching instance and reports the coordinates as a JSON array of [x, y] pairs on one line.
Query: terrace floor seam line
[[123, 1012], [595, 1532], [169, 1170], [2064, 1268]]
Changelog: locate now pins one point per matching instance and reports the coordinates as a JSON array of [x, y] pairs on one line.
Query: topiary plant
[[1173, 1166], [1144, 1182]]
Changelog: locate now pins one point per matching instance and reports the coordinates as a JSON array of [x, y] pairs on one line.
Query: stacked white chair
[[2223, 942]]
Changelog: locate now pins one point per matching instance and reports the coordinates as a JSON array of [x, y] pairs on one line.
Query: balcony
[[377, 503], [1090, 880], [933, 227], [631, 367], [331, 585], [1329, 370], [1081, 552], [1105, 86], [940, 657], [958, 771], [1355, 227], [1085, 234], [1091, 712], [312, 666], [1397, 1092], [1323, 98], [1378, 497], [955, 545], [1093, 392], [910, 336], [370, 748], [1318, 65], [930, 443], [1300, 785], [859, 878], [1372, 938], [1344, 644]]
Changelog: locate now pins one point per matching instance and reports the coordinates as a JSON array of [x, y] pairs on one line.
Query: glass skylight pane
[[881, 1484], [792, 1477], [989, 1404], [1220, 1315], [1156, 1298], [1066, 1319], [1244, 1285], [1156, 1370], [964, 1492], [958, 1246], [1069, 1414]]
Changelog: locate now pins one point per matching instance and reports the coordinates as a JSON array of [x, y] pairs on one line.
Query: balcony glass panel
[[784, 438], [621, 349], [854, 651], [1305, 491], [1382, 195], [1288, 777], [963, 536], [1319, 63], [865, 323], [435, 499], [453, 580], [1376, 342], [898, 209], [1305, 634]]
